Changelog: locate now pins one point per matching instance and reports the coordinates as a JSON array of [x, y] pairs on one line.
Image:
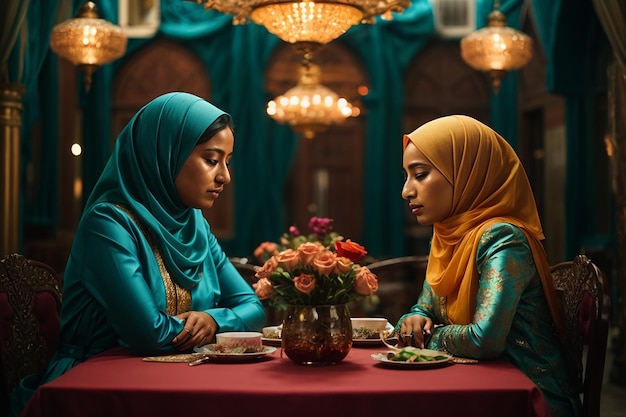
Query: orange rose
[[265, 249], [308, 251], [344, 265], [304, 283], [268, 267], [289, 259], [325, 262], [350, 250], [365, 282], [263, 289]]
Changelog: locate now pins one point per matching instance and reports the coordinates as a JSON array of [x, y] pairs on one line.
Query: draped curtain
[[386, 49], [576, 51], [503, 105], [25, 58]]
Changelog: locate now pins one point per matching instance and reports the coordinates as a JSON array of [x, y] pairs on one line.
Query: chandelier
[[88, 41], [305, 21], [309, 107], [496, 49]]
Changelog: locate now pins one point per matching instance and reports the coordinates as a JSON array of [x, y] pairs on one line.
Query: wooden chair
[[581, 285], [400, 282], [30, 303]]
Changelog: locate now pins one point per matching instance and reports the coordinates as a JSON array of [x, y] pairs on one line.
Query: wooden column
[[10, 124]]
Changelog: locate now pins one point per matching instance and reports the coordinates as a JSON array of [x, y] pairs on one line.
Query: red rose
[[350, 250]]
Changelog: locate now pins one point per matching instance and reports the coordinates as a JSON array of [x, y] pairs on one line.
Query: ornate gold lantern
[[496, 49], [88, 41], [309, 107]]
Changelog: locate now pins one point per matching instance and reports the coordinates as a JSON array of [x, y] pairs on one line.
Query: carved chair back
[[30, 302], [400, 282], [581, 285]]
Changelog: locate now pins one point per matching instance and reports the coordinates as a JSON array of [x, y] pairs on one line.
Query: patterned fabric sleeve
[[506, 267]]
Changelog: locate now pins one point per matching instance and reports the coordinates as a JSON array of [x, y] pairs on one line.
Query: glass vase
[[317, 335]]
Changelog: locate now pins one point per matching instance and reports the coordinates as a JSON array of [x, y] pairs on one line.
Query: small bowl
[[246, 341], [368, 327], [374, 324]]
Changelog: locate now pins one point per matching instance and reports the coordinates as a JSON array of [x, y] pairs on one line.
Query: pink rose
[[305, 283], [365, 282], [344, 265], [325, 262], [268, 267], [263, 289], [308, 251], [288, 259]]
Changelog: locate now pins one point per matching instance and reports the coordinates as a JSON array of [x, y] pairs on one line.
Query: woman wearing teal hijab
[[145, 272]]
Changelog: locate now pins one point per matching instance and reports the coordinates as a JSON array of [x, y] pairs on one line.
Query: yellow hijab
[[490, 186]]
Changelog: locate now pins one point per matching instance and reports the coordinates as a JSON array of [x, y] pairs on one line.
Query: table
[[117, 384]]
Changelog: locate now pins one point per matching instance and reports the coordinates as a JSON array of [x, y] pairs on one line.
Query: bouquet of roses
[[318, 269]]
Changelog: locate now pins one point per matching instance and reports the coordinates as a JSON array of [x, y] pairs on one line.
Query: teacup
[[245, 341]]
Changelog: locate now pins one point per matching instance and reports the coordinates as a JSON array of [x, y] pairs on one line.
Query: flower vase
[[317, 335]]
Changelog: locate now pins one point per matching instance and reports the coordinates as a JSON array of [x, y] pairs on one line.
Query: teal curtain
[[503, 105], [31, 63], [386, 49], [577, 52]]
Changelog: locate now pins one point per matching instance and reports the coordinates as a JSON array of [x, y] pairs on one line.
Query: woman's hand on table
[[413, 329], [199, 329]]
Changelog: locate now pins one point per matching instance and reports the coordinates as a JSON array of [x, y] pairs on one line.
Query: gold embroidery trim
[[177, 298]]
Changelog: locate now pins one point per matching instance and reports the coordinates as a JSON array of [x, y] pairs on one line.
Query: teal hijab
[[141, 173]]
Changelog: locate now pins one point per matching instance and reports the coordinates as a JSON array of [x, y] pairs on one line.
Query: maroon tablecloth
[[116, 384]]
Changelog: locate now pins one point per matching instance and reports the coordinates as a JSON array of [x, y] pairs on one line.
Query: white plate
[[372, 342], [216, 356], [271, 341], [381, 357]]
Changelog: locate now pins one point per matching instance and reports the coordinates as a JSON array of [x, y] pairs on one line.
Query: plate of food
[[412, 357], [219, 353]]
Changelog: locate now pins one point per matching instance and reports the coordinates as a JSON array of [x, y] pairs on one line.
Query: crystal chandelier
[[496, 49], [307, 21], [88, 41], [309, 107]]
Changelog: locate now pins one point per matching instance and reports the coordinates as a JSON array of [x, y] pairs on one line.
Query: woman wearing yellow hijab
[[488, 291]]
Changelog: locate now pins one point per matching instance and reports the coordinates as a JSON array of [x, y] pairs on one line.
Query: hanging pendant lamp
[[496, 49], [88, 41]]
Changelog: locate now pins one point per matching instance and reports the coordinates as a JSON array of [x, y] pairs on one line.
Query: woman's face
[[202, 178], [428, 192]]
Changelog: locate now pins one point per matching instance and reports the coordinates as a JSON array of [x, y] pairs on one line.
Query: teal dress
[[512, 320], [139, 256]]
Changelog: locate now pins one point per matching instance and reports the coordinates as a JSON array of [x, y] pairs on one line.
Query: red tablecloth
[[116, 384]]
